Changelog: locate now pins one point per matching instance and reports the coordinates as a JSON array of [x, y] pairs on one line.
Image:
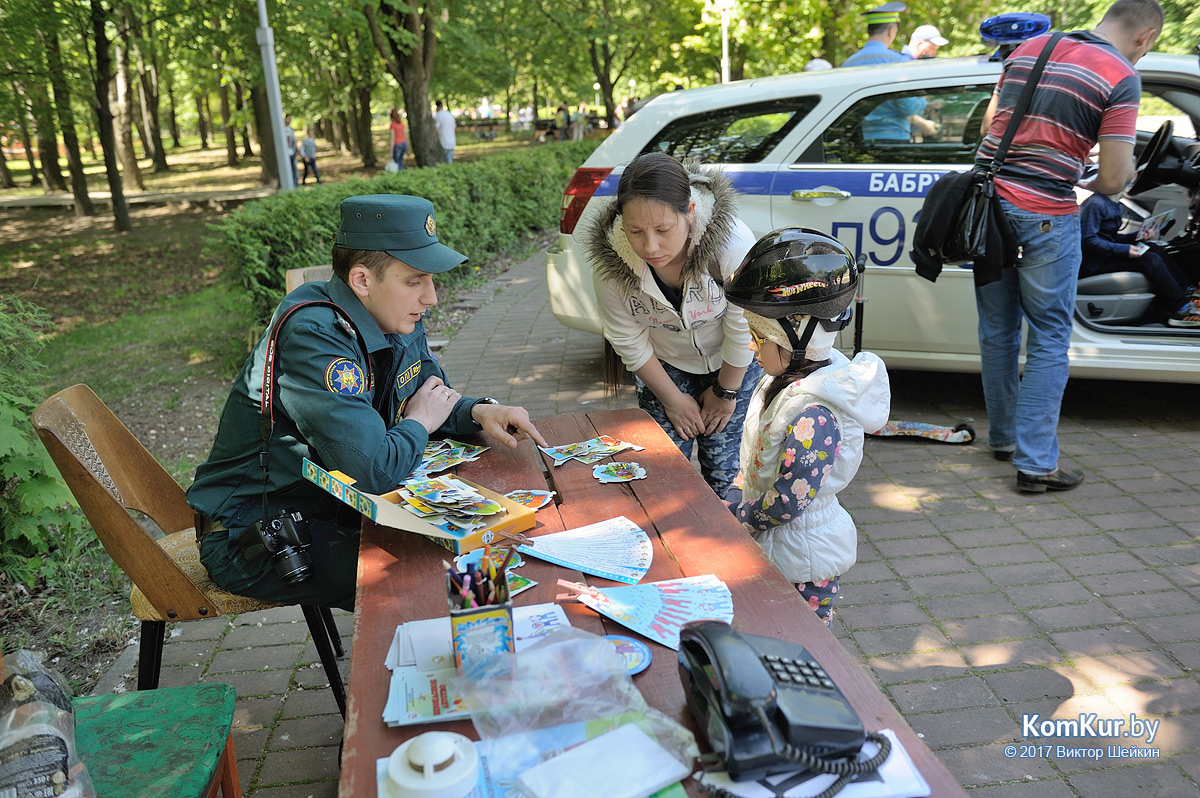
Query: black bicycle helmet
[[792, 281], [795, 271]]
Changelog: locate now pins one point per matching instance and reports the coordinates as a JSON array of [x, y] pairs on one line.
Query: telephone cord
[[844, 769]]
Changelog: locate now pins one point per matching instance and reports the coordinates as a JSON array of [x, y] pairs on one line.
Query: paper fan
[[658, 609], [615, 549]]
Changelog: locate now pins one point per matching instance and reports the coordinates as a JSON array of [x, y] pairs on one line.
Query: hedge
[[482, 207]]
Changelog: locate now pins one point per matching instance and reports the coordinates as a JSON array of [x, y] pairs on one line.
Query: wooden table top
[[693, 533]]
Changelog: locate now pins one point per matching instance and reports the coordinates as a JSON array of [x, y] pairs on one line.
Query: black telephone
[[766, 705]]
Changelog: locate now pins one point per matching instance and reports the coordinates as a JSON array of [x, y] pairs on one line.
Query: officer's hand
[[432, 404], [506, 424]]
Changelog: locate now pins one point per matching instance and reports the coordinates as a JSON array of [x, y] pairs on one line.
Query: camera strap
[[266, 407]]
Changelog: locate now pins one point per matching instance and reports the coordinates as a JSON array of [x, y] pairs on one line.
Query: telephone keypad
[[805, 673]]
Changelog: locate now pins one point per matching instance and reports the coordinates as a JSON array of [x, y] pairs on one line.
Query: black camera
[[285, 536]]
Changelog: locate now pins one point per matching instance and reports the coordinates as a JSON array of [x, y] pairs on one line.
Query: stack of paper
[[423, 687], [592, 451], [448, 503], [615, 549], [658, 609], [440, 455], [897, 777]]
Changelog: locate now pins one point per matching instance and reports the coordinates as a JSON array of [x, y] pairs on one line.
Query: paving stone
[[983, 765], [1118, 668], [992, 627], [900, 640], [964, 727], [972, 606], [1049, 595], [1033, 651], [299, 766], [1072, 616], [1098, 641], [1150, 779], [309, 732], [970, 691], [1035, 684], [918, 667]]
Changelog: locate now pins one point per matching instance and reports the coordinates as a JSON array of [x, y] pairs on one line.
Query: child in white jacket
[[802, 439]]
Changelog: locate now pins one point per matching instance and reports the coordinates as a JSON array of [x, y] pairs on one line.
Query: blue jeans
[[398, 151], [1023, 411], [718, 452]]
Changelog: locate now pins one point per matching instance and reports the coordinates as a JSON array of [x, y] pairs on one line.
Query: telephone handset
[[766, 705]]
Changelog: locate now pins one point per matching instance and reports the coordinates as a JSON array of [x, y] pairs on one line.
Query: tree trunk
[[47, 137], [201, 122], [124, 121], [350, 123], [66, 120], [148, 82], [238, 105], [365, 146], [412, 68], [6, 180], [226, 121], [266, 141], [35, 175], [105, 117], [138, 116], [174, 119]]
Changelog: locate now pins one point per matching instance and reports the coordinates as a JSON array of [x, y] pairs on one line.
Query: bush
[[33, 500], [482, 207]]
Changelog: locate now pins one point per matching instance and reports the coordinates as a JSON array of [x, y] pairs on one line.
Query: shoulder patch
[[345, 376]]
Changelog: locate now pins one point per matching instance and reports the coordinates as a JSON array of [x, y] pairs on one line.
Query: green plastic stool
[[173, 741]]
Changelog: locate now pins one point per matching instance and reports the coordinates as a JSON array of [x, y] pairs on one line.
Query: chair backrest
[[294, 278], [110, 473]]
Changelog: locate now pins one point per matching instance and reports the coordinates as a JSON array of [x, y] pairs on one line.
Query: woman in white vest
[[802, 440]]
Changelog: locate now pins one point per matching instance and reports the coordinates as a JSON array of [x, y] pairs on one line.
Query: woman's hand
[[684, 414], [715, 412]]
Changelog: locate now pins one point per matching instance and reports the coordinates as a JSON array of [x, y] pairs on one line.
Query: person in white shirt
[[443, 122], [660, 253], [924, 42]]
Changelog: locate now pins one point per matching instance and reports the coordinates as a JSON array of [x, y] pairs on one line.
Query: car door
[[846, 178]]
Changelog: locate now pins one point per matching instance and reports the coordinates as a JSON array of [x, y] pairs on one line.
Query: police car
[[793, 146]]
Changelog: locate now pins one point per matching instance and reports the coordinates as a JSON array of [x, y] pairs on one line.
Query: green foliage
[[33, 500], [482, 207]]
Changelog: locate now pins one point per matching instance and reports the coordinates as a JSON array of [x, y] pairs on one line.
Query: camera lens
[[292, 564]]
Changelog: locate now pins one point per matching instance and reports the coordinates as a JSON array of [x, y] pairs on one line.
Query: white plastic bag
[[567, 688]]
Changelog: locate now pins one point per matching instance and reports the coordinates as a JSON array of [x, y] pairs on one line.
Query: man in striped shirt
[[1088, 92]]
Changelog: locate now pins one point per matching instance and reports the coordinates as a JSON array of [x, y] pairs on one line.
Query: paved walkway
[[972, 605]]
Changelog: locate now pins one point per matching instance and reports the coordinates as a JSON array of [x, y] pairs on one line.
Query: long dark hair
[[797, 371], [659, 177]]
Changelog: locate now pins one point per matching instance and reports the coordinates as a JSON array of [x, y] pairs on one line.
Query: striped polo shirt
[[1088, 92]]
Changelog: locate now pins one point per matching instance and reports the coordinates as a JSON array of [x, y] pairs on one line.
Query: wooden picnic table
[[400, 579]]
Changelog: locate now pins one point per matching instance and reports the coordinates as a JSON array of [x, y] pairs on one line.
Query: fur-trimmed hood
[[614, 260]]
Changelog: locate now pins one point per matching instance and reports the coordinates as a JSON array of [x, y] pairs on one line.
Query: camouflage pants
[[718, 453]]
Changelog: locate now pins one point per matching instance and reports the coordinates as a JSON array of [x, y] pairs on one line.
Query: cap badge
[[430, 227]]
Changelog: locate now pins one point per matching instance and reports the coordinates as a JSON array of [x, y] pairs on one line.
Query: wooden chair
[[110, 473], [175, 741], [294, 278]]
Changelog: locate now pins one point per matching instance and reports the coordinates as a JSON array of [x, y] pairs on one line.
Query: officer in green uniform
[[353, 387]]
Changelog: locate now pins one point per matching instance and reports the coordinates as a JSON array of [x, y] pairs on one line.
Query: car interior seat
[[1114, 298]]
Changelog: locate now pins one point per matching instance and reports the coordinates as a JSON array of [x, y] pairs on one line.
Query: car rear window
[[742, 134]]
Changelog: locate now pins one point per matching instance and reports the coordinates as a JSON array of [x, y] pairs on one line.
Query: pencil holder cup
[[481, 633]]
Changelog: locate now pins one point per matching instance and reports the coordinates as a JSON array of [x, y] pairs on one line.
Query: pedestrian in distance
[[308, 153], [445, 124], [399, 139]]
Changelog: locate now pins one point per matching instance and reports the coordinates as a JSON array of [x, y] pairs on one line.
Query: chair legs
[[335, 636], [320, 626], [227, 773], [150, 648]]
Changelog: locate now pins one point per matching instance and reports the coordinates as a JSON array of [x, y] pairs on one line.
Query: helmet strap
[[799, 343]]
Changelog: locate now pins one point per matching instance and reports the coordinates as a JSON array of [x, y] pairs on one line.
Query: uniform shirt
[[875, 52], [1088, 92], [334, 403]]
